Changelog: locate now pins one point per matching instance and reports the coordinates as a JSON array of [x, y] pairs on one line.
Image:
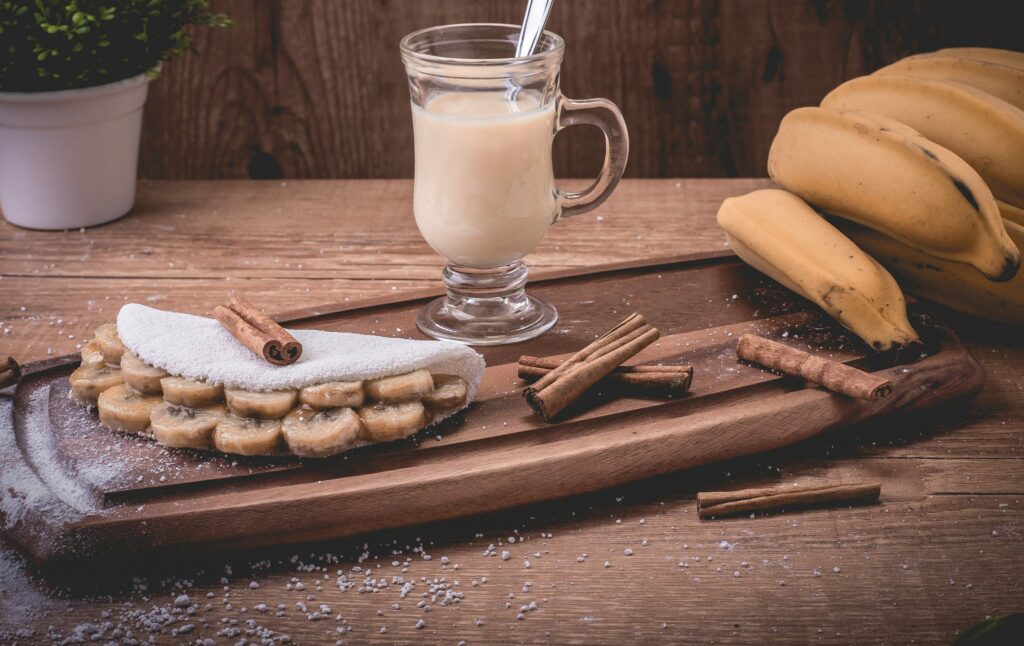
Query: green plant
[[64, 44]]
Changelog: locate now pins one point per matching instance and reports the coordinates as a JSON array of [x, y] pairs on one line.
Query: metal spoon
[[529, 35], [533, 26]]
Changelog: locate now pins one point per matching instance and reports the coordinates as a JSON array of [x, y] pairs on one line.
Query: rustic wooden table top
[[944, 549]]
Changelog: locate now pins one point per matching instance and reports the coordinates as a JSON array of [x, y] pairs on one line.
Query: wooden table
[[630, 565]]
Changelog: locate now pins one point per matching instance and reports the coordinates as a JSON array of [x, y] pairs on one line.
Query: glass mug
[[485, 194]]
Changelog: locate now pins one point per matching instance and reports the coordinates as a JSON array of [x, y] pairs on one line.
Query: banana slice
[[89, 380], [448, 394], [315, 433], [191, 393], [186, 428], [401, 388], [272, 405], [247, 436], [91, 355], [123, 409], [141, 376], [109, 343], [385, 422], [334, 394]]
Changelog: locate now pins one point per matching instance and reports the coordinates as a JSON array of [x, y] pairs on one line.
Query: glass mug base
[[486, 307]]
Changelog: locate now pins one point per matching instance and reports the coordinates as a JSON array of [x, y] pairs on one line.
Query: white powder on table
[[43, 485]]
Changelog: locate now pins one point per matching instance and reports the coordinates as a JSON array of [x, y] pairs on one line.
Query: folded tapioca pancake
[[199, 348], [187, 382]]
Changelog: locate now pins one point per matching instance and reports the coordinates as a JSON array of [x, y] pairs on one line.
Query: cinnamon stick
[[553, 392], [831, 374], [724, 503], [258, 332], [10, 372], [665, 379]]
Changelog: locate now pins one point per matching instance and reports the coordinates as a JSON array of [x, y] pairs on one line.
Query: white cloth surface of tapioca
[[199, 348]]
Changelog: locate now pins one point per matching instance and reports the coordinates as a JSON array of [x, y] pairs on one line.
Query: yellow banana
[[1011, 213], [1001, 81], [780, 235], [884, 175], [950, 284], [991, 55], [986, 132]]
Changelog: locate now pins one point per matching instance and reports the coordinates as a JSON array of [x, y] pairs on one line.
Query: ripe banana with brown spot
[[386, 422], [947, 283], [884, 175], [985, 131], [191, 393], [989, 54], [126, 410], [400, 388], [141, 376], [272, 405], [90, 380], [1001, 81], [333, 394], [314, 433], [449, 393], [186, 428], [247, 436], [109, 343], [780, 235]]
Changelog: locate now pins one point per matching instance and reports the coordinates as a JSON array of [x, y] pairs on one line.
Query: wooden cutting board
[[137, 495]]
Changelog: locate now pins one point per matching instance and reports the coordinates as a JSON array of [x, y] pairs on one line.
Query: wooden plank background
[[315, 88]]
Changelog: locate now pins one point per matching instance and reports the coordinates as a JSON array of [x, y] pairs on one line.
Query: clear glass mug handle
[[605, 115]]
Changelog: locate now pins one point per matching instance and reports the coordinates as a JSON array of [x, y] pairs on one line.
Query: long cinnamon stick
[[835, 376], [725, 503], [10, 372], [665, 379], [565, 383], [258, 332]]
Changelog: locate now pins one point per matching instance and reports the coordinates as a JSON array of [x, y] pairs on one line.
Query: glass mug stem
[[486, 307]]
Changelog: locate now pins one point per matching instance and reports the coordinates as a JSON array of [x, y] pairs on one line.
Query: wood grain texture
[[316, 89], [943, 550], [496, 455]]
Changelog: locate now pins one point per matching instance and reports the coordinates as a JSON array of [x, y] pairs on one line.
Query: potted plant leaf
[[73, 81]]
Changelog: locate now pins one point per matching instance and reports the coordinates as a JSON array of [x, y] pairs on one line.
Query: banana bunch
[[316, 421], [921, 165]]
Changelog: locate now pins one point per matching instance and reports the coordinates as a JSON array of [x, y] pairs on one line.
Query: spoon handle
[[533, 26]]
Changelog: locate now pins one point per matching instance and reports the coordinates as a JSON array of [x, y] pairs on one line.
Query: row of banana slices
[[315, 421]]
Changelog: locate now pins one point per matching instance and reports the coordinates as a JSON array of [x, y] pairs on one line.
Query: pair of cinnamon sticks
[[561, 383], [258, 332]]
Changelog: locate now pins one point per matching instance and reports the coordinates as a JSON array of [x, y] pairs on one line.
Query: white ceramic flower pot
[[69, 158]]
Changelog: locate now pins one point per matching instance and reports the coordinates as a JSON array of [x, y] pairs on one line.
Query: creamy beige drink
[[484, 191]]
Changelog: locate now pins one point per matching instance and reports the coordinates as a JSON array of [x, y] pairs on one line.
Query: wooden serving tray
[[496, 454]]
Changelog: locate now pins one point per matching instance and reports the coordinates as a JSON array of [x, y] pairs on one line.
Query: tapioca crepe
[[186, 382], [200, 348]]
